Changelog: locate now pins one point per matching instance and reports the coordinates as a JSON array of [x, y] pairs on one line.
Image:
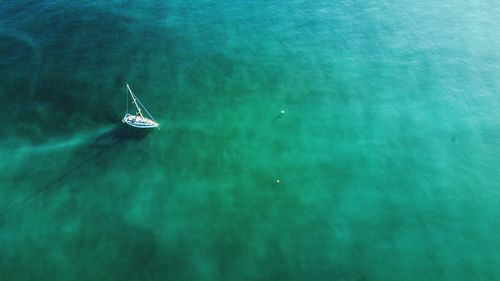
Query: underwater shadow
[[120, 133], [104, 142]]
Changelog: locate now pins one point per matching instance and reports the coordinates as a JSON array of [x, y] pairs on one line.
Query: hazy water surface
[[387, 154]]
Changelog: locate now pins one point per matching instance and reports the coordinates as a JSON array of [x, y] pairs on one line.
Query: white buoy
[[278, 181], [282, 112]]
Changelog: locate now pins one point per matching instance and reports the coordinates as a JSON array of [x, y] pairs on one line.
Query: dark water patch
[[95, 240], [91, 51]]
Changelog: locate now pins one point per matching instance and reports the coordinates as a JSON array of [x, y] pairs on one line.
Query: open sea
[[300, 140]]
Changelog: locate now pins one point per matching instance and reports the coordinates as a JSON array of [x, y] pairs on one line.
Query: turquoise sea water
[[387, 154]]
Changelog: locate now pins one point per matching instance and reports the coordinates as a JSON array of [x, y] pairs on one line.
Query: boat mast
[[134, 101]]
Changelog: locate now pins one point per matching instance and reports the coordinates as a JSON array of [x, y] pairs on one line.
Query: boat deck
[[139, 121]]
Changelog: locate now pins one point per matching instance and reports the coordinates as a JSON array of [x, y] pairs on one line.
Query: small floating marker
[[277, 181], [279, 115]]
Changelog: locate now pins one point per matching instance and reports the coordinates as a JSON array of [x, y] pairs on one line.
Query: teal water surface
[[383, 166]]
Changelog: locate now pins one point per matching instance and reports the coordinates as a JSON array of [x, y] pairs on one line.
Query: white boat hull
[[138, 121]]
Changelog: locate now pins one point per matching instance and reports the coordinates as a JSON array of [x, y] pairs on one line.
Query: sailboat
[[138, 120]]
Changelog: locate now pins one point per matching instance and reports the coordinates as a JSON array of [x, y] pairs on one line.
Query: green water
[[387, 154]]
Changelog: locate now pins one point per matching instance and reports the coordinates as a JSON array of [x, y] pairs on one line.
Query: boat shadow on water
[[120, 133], [104, 143]]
